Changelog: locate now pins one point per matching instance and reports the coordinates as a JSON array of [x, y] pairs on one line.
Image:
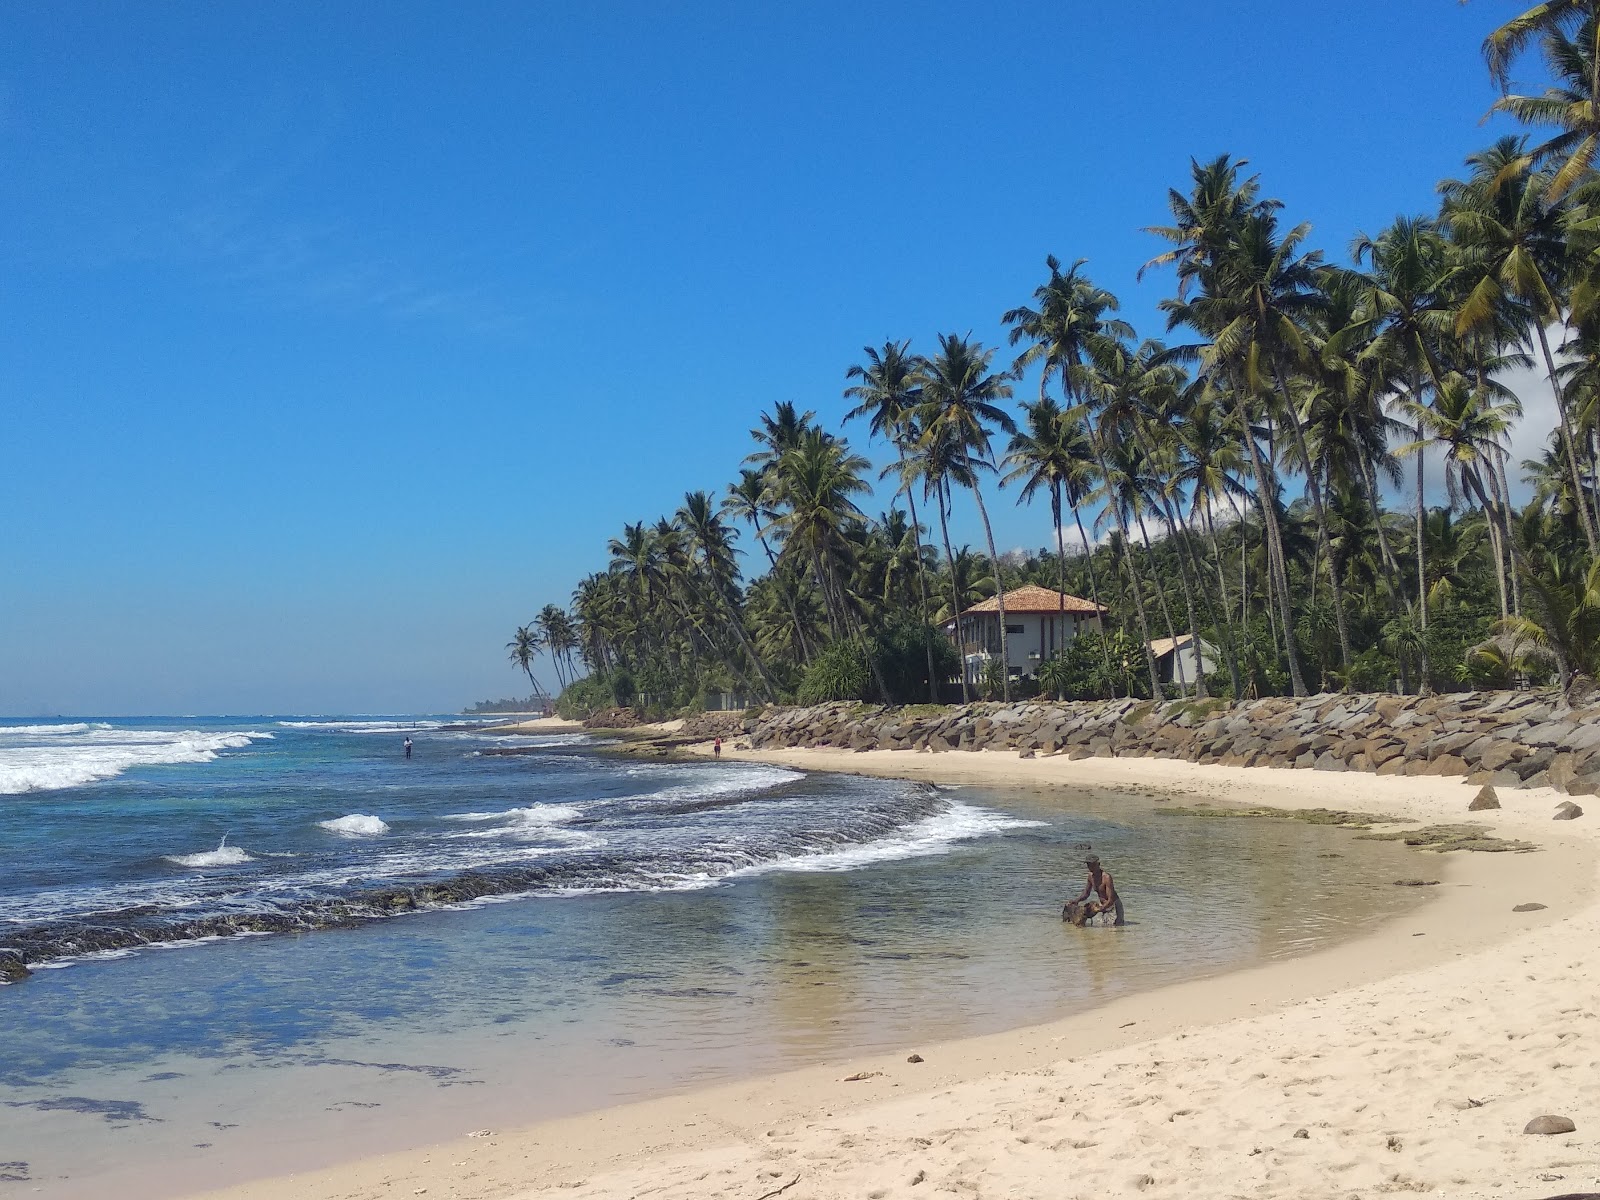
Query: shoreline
[[864, 1137]]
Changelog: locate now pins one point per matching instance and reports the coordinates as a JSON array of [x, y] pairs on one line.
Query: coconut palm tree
[[887, 397], [961, 403], [710, 541], [1408, 299], [1569, 36], [1511, 244], [524, 650]]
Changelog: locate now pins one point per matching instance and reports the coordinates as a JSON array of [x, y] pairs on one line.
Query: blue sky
[[335, 340]]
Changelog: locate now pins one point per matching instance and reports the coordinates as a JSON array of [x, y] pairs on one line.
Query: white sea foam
[[931, 835], [33, 731], [356, 824], [534, 814], [703, 783], [40, 762], [223, 856], [364, 726]]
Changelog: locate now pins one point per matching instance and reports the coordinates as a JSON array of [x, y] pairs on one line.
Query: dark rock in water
[[915, 1058], [111, 1110], [12, 968], [1528, 908], [1568, 811], [1485, 798], [1416, 883], [1548, 1125]]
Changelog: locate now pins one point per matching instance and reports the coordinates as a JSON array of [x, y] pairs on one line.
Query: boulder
[[1567, 811], [1486, 798], [12, 968], [1549, 1125], [1500, 754], [1532, 906]]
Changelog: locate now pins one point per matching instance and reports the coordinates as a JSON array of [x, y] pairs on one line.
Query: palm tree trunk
[[955, 591], [1503, 497], [788, 597], [1133, 573], [1320, 512], [922, 590], [1564, 427], [999, 583], [1234, 677], [1094, 590], [1061, 568], [1266, 497], [1166, 609]]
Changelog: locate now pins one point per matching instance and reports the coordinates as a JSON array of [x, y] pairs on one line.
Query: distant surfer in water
[[408, 747], [1104, 890]]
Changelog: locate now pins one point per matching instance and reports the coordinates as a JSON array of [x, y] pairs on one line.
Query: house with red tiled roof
[[1039, 620]]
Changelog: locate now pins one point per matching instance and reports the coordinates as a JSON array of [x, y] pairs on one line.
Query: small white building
[[1039, 622], [1196, 656]]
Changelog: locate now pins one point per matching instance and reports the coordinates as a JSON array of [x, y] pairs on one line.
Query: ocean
[[264, 943]]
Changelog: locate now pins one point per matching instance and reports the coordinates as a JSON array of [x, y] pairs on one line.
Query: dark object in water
[[1076, 913]]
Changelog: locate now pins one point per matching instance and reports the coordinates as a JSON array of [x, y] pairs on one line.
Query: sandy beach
[[1406, 1061]]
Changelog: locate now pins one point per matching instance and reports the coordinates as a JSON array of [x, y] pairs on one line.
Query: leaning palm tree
[[887, 396], [551, 623], [961, 403], [524, 650]]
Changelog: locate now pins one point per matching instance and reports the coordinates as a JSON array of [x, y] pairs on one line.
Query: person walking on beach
[[1104, 890], [408, 747], [716, 747]]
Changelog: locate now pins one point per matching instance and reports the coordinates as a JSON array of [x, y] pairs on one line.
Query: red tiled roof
[[1030, 598]]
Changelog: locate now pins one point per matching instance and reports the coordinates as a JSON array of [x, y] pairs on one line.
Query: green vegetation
[[1234, 475]]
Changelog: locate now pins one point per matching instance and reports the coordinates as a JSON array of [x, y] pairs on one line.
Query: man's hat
[[1093, 860]]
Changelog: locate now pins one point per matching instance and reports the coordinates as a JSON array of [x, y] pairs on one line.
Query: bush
[[840, 672], [582, 697], [902, 651]]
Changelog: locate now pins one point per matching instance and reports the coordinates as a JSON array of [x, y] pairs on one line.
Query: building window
[[1014, 629]]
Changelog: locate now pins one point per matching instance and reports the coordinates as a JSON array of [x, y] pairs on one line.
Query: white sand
[[1378, 1049]]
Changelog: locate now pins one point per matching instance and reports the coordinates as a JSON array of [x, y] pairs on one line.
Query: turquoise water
[[634, 928]]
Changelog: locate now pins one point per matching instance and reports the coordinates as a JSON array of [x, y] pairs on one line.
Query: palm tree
[[711, 541], [1070, 328], [938, 463], [1408, 300], [961, 402], [1570, 37], [1513, 249], [1252, 290], [814, 482], [551, 624], [887, 396], [524, 649]]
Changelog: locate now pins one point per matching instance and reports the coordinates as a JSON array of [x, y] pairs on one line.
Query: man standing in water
[[408, 747], [1103, 889]]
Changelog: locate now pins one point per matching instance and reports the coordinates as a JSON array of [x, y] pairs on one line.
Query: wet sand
[[1410, 1058]]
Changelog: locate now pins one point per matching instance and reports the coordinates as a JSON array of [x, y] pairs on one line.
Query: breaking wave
[[53, 758], [357, 825]]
